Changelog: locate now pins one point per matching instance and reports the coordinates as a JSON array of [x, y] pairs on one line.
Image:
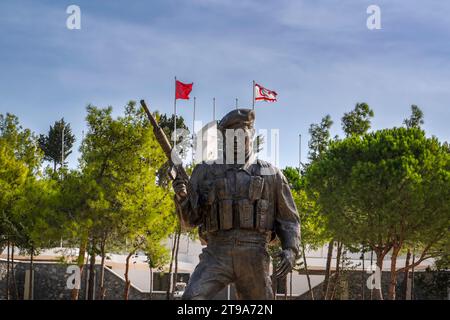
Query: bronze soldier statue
[[239, 208]]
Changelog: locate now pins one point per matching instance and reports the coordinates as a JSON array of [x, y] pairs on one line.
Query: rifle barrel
[[165, 144]]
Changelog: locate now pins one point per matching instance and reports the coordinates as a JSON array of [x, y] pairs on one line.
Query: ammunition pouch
[[223, 210]]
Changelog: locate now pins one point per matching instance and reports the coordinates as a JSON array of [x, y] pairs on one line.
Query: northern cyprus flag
[[263, 94]]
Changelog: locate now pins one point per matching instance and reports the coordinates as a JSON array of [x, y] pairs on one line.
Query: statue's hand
[[287, 262], [179, 186]]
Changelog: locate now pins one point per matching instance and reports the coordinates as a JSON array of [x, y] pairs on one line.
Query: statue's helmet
[[237, 119], [212, 136], [239, 126]]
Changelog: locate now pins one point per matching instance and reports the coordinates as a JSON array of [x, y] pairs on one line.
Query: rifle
[[176, 165]]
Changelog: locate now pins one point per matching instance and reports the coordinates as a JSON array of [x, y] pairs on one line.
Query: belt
[[239, 238]]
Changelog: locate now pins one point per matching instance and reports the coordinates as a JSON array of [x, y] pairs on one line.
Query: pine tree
[[52, 143]]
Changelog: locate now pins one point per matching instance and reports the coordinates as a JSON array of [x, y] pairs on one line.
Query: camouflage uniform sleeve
[[187, 209], [287, 221]]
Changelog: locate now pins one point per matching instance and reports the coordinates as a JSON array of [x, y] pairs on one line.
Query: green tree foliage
[[22, 141], [320, 137], [20, 159], [35, 216], [293, 177], [312, 224], [416, 118], [75, 190], [13, 175], [388, 188], [120, 158], [313, 231], [357, 121], [51, 143], [318, 144], [167, 123], [442, 261]]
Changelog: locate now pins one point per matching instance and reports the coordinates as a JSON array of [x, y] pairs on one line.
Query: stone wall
[[50, 283], [353, 284]]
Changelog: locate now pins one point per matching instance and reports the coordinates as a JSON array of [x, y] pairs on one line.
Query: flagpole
[[253, 89], [193, 118], [276, 150], [193, 131], [299, 153], [236, 103], [214, 109], [175, 116], [62, 148]]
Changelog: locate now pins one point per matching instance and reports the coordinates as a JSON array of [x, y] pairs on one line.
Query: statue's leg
[[212, 274], [252, 273]]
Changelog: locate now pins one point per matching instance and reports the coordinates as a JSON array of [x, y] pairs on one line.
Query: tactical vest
[[232, 198]]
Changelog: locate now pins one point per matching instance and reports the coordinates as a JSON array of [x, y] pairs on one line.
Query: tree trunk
[[363, 272], [80, 262], [413, 296], [169, 280], [30, 285], [371, 266], [101, 295], [406, 275], [327, 270], [175, 274], [311, 292], [151, 284], [7, 269], [127, 280], [13, 273], [393, 281], [92, 272], [338, 271]]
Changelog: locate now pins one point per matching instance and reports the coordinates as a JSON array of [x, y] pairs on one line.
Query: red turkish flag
[[183, 90]]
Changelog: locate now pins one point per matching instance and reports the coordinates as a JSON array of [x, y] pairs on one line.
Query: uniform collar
[[244, 167]]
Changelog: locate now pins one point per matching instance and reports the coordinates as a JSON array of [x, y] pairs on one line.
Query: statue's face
[[240, 142]]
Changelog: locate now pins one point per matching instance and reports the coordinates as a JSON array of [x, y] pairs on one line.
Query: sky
[[318, 55]]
